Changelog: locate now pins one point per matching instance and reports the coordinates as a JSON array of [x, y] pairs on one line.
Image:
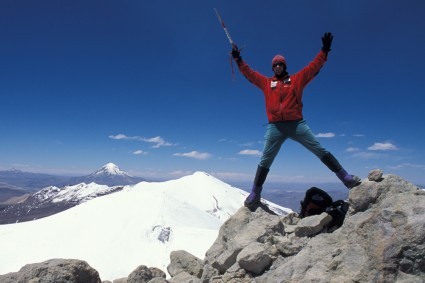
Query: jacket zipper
[[281, 101]]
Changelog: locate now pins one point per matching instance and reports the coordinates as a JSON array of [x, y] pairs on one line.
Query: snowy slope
[[78, 193], [116, 233]]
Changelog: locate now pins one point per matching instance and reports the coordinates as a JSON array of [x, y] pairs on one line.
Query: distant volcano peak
[[110, 169]]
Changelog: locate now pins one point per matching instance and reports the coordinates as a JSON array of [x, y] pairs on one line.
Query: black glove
[[327, 41], [236, 53]]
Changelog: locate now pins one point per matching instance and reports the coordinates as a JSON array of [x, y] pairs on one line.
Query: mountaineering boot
[[348, 180], [255, 196]]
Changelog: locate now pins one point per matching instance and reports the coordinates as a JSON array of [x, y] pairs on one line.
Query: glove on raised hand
[[236, 53], [327, 41]]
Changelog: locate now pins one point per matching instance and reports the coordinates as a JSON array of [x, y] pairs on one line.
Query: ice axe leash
[[229, 38]]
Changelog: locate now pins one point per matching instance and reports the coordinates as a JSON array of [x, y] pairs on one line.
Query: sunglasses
[[278, 64]]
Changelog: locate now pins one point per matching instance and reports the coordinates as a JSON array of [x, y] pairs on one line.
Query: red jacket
[[284, 97]]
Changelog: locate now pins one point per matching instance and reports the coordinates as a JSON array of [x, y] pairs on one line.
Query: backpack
[[338, 210], [317, 201]]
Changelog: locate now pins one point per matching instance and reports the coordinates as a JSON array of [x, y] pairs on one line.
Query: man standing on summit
[[283, 98]]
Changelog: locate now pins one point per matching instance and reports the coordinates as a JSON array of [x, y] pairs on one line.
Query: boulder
[[143, 274], [184, 277], [54, 271], [310, 226], [381, 241], [239, 231], [254, 258], [375, 175], [182, 261]]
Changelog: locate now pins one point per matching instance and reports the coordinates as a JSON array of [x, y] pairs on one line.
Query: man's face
[[279, 68]]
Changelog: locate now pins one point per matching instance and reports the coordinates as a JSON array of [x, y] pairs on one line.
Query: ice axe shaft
[[225, 29]]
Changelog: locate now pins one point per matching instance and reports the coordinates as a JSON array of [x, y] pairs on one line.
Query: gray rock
[[375, 175], [54, 271], [157, 273], [143, 274], [243, 228], [182, 261], [382, 243], [234, 274], [312, 225], [254, 258], [289, 246], [370, 193], [208, 273], [158, 280], [184, 277]]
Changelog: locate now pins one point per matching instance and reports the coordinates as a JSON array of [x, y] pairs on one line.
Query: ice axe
[[225, 29], [230, 40]]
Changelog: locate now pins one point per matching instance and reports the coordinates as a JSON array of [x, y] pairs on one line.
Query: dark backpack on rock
[[317, 201]]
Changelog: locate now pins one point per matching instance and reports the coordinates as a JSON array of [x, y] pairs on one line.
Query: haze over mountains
[[17, 187], [15, 182]]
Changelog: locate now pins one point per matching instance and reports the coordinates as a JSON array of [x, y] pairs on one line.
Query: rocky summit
[[381, 240]]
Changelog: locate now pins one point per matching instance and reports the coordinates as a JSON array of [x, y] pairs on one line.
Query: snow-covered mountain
[[28, 182], [140, 224], [79, 193], [109, 175], [110, 169], [52, 200]]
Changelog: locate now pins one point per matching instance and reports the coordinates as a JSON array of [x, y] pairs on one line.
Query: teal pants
[[278, 133]]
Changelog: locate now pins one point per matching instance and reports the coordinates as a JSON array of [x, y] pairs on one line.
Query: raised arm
[[254, 77], [313, 68]]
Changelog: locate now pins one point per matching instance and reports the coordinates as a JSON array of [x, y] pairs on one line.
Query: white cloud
[[382, 146], [325, 135], [119, 137], [250, 152], [408, 165], [368, 155], [352, 149], [157, 141], [358, 135], [140, 152], [195, 155]]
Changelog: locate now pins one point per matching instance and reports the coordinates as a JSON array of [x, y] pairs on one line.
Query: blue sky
[[148, 86]]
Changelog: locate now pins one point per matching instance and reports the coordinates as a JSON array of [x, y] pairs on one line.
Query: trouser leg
[[274, 139], [305, 136], [332, 163], [255, 195]]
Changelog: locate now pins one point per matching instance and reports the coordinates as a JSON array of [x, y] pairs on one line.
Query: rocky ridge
[[381, 240]]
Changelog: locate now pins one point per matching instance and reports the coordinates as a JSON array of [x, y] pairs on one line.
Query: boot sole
[[358, 182], [252, 205]]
